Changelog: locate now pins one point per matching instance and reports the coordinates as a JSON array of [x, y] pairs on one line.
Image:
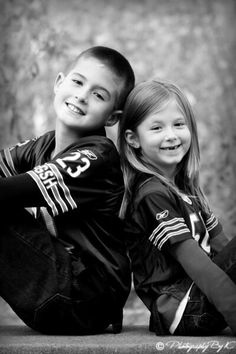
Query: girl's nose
[[170, 134]]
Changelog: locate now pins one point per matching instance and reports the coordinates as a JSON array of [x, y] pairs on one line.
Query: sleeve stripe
[[209, 228], [10, 161], [44, 192], [4, 168], [164, 224], [211, 222], [168, 229], [59, 199], [63, 186], [210, 219], [172, 234]]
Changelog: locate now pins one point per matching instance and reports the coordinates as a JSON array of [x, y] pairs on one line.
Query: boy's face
[[86, 98]]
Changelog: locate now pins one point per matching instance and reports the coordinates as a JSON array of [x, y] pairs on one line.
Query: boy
[[73, 275]]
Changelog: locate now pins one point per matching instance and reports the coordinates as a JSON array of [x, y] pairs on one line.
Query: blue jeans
[[200, 317], [48, 288]]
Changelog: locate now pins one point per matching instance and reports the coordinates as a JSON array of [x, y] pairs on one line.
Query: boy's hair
[[145, 99], [116, 63]]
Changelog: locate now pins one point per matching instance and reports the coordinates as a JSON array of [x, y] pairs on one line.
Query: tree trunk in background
[[220, 33]]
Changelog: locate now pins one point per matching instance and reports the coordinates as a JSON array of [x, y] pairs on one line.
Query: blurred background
[[191, 42]]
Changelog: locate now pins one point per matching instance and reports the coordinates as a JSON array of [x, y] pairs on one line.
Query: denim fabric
[[42, 282], [200, 317]]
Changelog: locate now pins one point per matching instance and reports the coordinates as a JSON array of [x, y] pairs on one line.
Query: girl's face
[[164, 138]]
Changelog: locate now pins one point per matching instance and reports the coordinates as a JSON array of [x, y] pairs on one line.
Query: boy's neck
[[65, 137]]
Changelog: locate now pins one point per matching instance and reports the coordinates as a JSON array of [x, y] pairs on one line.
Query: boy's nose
[[82, 96]]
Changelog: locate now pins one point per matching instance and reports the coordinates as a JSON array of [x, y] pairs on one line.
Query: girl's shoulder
[[148, 185]]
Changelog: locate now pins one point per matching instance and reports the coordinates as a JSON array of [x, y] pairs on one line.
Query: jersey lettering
[[202, 240], [74, 156], [50, 182], [46, 176]]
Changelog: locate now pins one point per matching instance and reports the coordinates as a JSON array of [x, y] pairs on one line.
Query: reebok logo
[[90, 154], [162, 215]]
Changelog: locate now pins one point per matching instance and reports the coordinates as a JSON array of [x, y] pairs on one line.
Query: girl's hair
[[145, 99]]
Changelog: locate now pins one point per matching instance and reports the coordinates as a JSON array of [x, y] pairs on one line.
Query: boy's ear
[[132, 139], [113, 119], [59, 79]]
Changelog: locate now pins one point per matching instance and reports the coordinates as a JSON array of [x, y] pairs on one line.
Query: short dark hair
[[118, 64]]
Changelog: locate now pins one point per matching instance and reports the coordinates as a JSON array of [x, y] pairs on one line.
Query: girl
[[182, 271]]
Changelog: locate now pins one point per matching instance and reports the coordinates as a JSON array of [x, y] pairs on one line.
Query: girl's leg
[[33, 265], [226, 259], [200, 317]]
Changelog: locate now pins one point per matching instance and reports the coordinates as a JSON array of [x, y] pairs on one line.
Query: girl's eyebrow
[[97, 86]]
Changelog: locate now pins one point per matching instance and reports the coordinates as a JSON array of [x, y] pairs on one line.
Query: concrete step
[[133, 339]]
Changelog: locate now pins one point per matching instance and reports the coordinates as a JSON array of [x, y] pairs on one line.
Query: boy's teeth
[[73, 108]]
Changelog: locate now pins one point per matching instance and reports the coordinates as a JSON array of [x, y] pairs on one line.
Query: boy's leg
[[33, 265]]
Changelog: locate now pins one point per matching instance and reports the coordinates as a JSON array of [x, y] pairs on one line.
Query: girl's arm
[[218, 242], [212, 280]]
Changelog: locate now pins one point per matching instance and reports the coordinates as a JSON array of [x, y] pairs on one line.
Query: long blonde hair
[[146, 98]]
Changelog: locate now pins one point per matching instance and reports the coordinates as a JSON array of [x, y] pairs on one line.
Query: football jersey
[[157, 219], [79, 191]]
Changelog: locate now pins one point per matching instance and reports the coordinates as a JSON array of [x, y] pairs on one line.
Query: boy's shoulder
[[96, 146], [92, 145]]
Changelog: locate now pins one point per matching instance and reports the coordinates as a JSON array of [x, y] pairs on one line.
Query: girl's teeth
[[172, 148]]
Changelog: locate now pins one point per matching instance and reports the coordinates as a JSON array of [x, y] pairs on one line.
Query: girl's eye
[[156, 128], [180, 124]]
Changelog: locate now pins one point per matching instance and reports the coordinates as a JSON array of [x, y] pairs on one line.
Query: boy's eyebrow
[[99, 87]]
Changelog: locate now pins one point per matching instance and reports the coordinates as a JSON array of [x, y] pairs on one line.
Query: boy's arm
[[212, 280], [20, 191]]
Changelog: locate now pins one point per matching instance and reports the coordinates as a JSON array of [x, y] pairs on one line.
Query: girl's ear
[[59, 79], [113, 119], [132, 139]]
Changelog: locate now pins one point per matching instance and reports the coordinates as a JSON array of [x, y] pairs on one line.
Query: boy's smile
[[87, 96], [75, 108]]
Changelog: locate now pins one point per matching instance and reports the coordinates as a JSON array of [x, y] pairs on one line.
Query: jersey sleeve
[[212, 223], [164, 222], [17, 159], [75, 178], [16, 188], [20, 191]]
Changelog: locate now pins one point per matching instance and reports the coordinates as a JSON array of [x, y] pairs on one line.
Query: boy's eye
[[99, 96], [77, 82]]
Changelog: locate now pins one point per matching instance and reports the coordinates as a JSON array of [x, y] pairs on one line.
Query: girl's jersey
[[79, 191], [156, 220]]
